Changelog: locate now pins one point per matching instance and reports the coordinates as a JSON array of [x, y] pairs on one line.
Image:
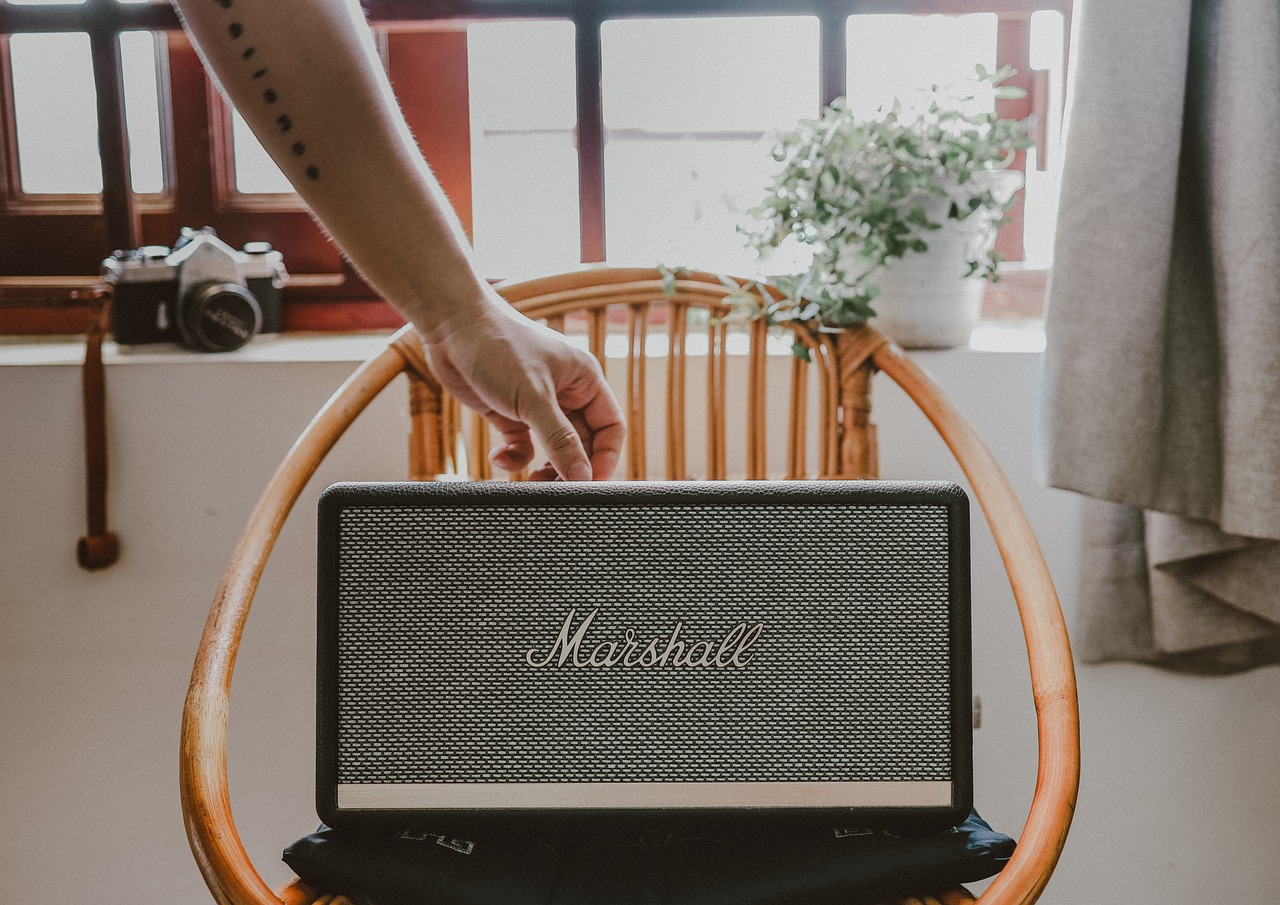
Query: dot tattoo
[[285, 122]]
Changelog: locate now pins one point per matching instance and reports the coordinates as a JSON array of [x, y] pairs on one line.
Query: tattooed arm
[[306, 78]]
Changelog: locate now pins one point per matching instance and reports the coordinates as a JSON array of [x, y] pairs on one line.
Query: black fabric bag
[[811, 866]]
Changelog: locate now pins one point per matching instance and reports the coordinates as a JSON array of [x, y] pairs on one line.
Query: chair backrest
[[589, 302], [685, 321]]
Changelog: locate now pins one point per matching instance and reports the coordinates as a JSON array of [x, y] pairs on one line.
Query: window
[[53, 99], [524, 156], [632, 132]]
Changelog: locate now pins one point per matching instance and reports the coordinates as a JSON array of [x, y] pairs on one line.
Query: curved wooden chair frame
[[845, 360]]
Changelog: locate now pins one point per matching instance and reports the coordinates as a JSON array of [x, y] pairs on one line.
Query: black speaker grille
[[438, 606]]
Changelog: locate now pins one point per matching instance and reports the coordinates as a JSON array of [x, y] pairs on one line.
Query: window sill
[[990, 337], [291, 347]]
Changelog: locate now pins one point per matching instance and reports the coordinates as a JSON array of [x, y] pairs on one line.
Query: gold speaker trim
[[444, 796]]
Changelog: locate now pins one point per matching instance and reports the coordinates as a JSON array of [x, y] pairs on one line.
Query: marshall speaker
[[531, 653]]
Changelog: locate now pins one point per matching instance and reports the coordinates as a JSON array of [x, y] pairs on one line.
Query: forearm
[[305, 76]]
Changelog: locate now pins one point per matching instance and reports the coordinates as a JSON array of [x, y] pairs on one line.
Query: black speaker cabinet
[[527, 653]]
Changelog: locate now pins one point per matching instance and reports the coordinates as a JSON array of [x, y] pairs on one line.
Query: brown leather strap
[[100, 547]]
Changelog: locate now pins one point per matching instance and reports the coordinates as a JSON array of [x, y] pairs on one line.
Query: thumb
[[561, 442]]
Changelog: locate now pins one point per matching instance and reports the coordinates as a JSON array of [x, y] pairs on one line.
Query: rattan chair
[[591, 301]]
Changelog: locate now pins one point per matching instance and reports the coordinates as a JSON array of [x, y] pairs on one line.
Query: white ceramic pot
[[925, 300]]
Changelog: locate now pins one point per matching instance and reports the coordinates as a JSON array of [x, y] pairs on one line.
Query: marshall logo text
[[733, 651]]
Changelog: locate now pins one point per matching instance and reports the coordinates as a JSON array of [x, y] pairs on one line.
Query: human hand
[[527, 380]]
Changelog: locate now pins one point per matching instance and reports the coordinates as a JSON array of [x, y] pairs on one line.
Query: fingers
[[600, 431], [516, 450], [560, 441], [546, 473], [547, 391], [583, 442], [604, 426]]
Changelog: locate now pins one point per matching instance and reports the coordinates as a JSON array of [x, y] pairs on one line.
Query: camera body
[[202, 293]]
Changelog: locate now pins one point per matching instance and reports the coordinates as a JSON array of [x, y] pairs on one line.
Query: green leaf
[[669, 278]]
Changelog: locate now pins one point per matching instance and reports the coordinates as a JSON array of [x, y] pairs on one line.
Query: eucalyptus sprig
[[862, 193], [747, 300]]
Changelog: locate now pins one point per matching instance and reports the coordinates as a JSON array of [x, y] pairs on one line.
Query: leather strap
[[100, 547]]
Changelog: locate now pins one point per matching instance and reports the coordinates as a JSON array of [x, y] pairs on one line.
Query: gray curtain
[[1163, 364]]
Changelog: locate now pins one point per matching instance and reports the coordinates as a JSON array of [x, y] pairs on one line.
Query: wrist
[[463, 312]]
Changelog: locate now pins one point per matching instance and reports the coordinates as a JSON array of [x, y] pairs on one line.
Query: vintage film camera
[[201, 293]]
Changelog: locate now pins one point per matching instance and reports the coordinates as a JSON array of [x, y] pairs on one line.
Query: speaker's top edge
[[643, 493]]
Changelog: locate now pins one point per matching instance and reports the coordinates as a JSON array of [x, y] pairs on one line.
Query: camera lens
[[218, 317]]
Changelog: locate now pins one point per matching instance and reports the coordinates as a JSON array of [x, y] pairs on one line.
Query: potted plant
[[899, 210]]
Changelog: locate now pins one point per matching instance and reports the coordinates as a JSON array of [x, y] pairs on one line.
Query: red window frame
[[52, 244]]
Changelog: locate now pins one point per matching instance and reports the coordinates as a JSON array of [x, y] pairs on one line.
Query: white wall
[[1180, 800]]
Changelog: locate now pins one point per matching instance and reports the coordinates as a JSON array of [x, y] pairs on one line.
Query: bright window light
[[142, 110], [899, 56], [688, 116], [1040, 212], [57, 117], [700, 75], [524, 159], [55, 114], [255, 172]]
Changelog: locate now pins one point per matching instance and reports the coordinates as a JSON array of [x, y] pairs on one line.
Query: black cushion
[[811, 866]]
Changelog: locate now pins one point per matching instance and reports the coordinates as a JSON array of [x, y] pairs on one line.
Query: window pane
[[524, 160], [1040, 209], [679, 202], [521, 76], [525, 204], [142, 110], [688, 109], [255, 171], [55, 113], [900, 56], [698, 75]]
